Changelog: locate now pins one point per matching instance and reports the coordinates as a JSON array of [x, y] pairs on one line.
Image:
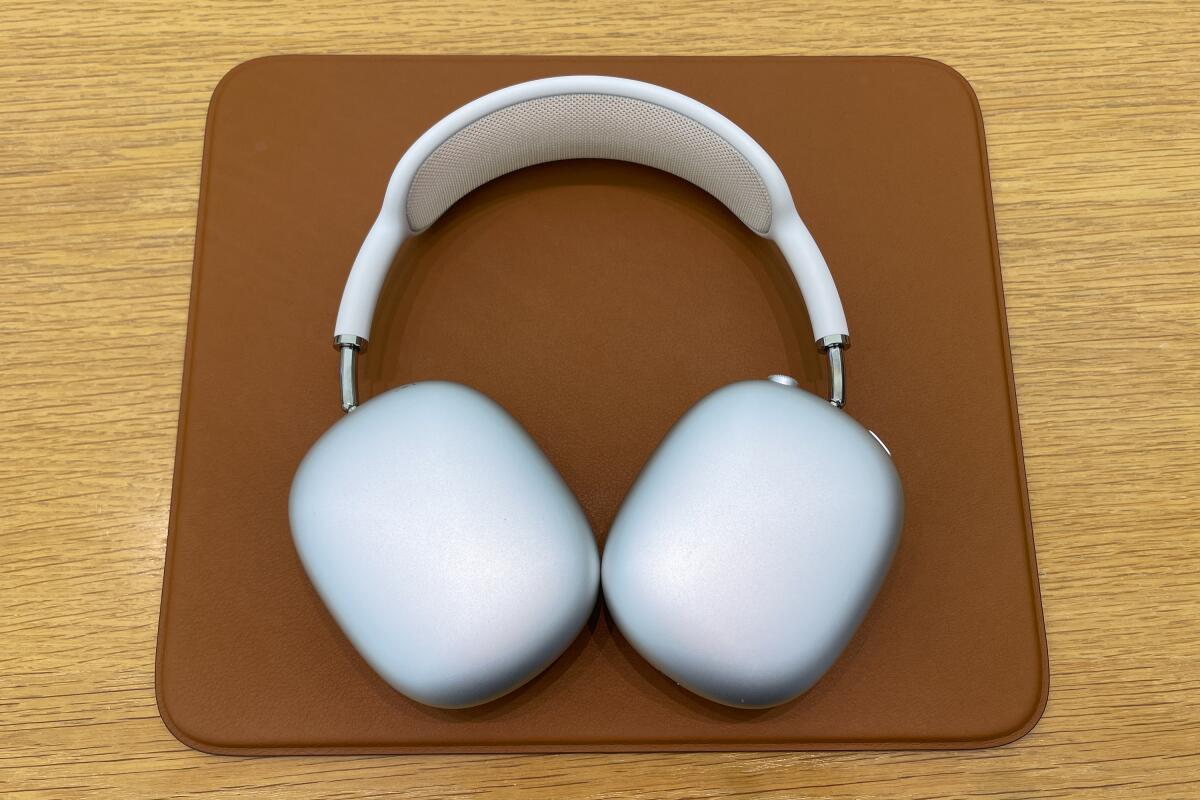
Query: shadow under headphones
[[452, 554]]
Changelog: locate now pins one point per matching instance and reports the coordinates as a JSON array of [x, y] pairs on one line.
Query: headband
[[586, 116]]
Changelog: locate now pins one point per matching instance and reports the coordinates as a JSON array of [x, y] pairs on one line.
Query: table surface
[[1093, 121]]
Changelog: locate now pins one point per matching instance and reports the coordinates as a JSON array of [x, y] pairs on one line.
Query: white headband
[[585, 116]]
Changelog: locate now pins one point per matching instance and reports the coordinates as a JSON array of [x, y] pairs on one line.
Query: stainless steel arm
[[834, 347], [348, 348]]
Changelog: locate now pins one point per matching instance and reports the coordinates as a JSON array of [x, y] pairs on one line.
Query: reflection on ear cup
[[752, 544], [443, 542]]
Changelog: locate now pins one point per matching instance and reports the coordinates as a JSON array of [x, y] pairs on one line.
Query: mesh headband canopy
[[585, 125], [584, 116]]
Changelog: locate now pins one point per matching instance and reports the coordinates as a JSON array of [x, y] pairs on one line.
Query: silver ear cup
[[751, 546], [444, 543]]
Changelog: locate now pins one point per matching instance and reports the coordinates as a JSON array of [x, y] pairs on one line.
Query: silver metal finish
[[348, 348], [347, 369], [785, 380], [837, 376], [752, 544], [833, 346], [455, 558]]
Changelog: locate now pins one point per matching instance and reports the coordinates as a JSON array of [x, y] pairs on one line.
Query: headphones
[[457, 561]]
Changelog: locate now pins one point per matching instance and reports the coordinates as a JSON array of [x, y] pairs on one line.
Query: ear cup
[[752, 544], [444, 543]]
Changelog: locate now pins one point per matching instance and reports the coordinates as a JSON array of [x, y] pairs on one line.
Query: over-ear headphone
[[452, 554]]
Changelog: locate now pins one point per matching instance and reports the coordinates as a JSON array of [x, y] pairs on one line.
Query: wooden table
[[1093, 122]]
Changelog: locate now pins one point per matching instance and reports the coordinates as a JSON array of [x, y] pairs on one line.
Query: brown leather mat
[[596, 301]]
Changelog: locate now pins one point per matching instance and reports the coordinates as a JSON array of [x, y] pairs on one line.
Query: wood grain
[[1093, 121]]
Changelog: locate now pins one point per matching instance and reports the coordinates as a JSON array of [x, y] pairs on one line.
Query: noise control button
[[785, 380]]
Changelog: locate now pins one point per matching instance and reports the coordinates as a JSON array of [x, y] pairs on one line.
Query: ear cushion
[[752, 544], [444, 543]]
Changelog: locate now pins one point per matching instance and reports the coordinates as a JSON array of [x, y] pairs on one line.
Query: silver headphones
[[457, 561]]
